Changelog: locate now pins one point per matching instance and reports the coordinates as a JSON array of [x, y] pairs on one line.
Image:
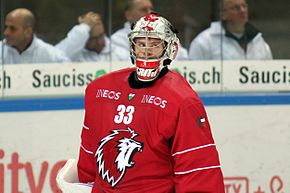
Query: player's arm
[[78, 176], [86, 162], [197, 167]]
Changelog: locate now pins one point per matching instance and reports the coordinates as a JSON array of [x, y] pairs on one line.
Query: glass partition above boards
[[220, 31]]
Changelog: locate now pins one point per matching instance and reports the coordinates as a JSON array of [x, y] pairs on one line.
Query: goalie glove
[[68, 181]]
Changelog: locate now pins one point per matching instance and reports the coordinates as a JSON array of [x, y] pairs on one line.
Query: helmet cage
[[150, 51], [153, 27]]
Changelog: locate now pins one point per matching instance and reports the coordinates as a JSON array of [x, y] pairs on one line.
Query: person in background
[[87, 41], [233, 38], [21, 45], [134, 10], [145, 129]]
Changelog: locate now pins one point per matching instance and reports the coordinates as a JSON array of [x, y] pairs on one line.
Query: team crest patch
[[115, 155], [131, 96]]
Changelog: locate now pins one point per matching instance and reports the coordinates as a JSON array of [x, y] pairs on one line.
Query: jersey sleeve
[[86, 162], [196, 161]]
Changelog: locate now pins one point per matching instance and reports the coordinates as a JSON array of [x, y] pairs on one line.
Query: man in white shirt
[[233, 38], [87, 41], [21, 45], [134, 10]]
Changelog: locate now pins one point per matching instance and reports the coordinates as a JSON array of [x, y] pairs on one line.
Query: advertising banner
[[36, 80], [256, 76]]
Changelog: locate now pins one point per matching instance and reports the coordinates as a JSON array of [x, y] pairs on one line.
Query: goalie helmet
[[150, 63]]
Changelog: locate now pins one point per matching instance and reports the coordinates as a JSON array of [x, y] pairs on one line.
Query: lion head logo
[[115, 154]]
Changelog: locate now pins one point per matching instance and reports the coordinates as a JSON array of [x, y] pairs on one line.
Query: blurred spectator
[[87, 41], [232, 38], [134, 10], [20, 43]]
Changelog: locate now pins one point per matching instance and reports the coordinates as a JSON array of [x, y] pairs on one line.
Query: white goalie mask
[[153, 45]]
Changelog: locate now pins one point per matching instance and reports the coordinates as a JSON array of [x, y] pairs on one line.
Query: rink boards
[[41, 113], [251, 132]]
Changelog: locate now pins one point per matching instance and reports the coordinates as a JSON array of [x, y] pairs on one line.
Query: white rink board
[[43, 139], [253, 142]]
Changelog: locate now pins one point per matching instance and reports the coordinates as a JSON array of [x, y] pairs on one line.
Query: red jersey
[[155, 139]]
